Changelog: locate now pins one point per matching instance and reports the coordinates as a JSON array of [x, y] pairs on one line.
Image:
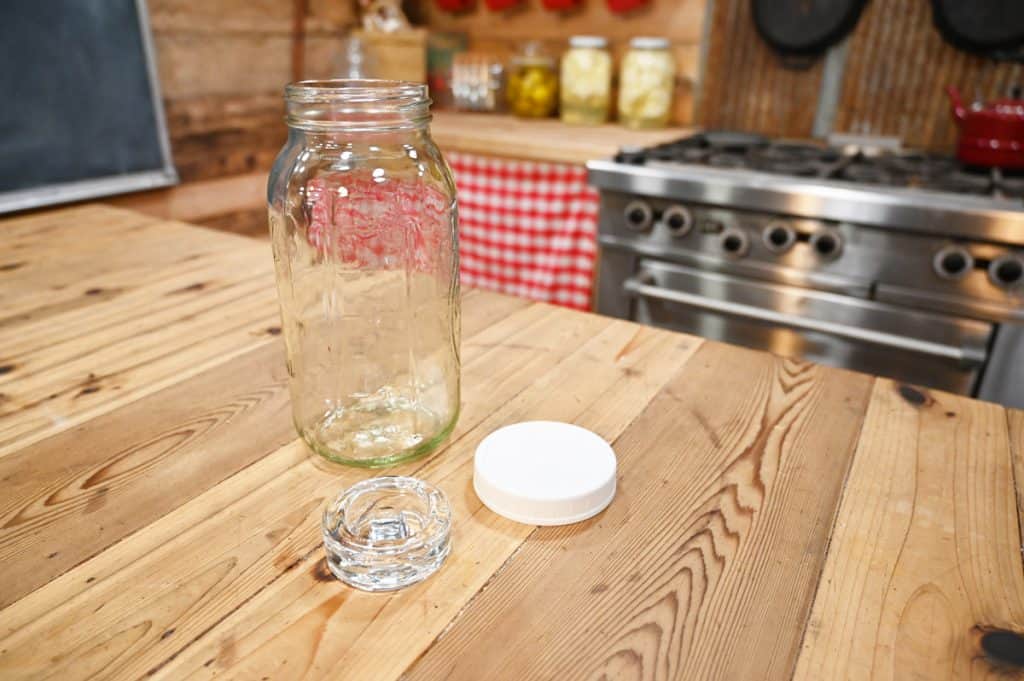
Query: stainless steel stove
[[902, 264]]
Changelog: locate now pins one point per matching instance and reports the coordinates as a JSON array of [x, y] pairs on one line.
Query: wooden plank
[[261, 584], [481, 310], [370, 636], [225, 16], [705, 565], [747, 87], [926, 552], [896, 67], [244, 63], [119, 472], [202, 202], [1016, 420]]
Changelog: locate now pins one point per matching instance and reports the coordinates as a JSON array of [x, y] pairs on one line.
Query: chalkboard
[[80, 111]]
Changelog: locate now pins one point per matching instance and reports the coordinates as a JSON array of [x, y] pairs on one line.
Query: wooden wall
[[222, 67], [681, 21], [896, 68]]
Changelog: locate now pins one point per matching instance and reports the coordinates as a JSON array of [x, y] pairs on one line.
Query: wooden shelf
[[539, 140]]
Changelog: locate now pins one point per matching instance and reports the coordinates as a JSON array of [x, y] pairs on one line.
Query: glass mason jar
[[586, 81], [646, 83], [532, 88], [363, 219]]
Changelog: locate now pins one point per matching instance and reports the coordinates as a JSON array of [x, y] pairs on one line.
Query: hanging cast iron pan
[[801, 30], [981, 26]]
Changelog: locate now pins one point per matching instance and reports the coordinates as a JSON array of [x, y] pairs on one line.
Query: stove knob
[[953, 262], [828, 245], [735, 242], [639, 216], [678, 220], [778, 237], [1007, 271]]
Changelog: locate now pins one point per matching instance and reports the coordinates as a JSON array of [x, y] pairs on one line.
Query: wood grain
[[169, 528], [252, 576], [727, 508], [747, 87], [925, 554], [93, 325], [896, 69]]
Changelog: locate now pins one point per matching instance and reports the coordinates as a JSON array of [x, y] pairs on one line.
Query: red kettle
[[992, 135]]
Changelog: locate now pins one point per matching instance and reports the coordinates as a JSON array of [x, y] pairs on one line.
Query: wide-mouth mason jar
[[363, 220]]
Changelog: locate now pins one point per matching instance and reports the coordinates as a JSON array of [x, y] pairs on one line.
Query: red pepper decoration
[[624, 6]]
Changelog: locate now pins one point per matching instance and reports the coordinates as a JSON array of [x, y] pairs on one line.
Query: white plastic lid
[[649, 43], [594, 42], [544, 473]]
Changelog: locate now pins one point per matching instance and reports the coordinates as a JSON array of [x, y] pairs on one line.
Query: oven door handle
[[967, 356]]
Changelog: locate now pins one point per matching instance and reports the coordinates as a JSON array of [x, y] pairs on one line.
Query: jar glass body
[[646, 83], [586, 86], [363, 221]]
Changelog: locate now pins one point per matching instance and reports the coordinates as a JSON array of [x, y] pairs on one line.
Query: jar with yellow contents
[[646, 83], [532, 89], [586, 81]]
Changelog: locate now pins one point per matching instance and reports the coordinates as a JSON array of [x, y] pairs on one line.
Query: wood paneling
[[222, 69], [747, 87], [896, 69]]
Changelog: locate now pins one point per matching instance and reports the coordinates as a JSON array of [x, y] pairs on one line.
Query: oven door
[[941, 352]]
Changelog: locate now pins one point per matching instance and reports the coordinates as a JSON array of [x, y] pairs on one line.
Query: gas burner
[[918, 164], [1010, 185], [741, 142], [863, 165], [724, 159], [865, 171], [786, 158], [961, 182]]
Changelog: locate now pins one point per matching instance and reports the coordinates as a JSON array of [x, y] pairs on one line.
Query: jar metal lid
[[649, 43], [592, 42]]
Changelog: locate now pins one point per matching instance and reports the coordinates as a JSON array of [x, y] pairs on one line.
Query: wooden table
[[774, 519]]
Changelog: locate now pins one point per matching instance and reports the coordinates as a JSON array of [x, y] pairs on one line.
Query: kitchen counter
[[539, 140], [774, 519]]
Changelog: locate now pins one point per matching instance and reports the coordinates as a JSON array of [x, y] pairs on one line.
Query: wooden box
[[395, 56]]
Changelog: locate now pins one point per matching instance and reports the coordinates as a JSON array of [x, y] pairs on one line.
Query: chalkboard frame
[[79, 190]]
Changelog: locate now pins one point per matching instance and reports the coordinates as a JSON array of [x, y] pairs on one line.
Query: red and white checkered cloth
[[526, 228]]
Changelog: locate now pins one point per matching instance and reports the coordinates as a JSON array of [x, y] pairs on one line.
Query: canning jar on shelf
[[532, 87], [646, 83], [586, 81], [363, 222]]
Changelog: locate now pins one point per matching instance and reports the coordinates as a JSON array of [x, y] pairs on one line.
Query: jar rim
[[356, 104], [357, 91]]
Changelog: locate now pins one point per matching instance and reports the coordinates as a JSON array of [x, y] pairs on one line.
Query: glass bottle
[[586, 81], [646, 83], [363, 219]]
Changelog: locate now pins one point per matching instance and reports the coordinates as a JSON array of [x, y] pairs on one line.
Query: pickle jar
[[364, 233], [532, 88], [586, 81], [646, 82]]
